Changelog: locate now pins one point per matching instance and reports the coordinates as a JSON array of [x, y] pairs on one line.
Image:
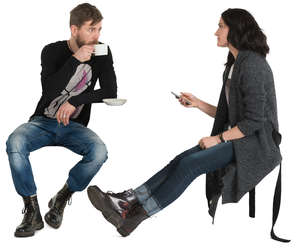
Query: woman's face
[[222, 33]]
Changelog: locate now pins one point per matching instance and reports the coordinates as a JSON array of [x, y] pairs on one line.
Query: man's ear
[[74, 29]]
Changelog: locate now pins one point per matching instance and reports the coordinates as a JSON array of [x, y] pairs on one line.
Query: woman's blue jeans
[[169, 183], [41, 132]]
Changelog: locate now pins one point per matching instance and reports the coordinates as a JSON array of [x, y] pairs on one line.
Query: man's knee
[[16, 143], [99, 152]]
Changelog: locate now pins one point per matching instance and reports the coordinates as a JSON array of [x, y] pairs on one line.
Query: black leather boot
[[32, 220], [57, 205], [134, 217], [114, 206]]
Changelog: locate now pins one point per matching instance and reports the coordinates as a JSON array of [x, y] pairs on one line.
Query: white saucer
[[114, 101]]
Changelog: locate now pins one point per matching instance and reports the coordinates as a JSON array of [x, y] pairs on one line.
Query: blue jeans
[[41, 132], [169, 183]]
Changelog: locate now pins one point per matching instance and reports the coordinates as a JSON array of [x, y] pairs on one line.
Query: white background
[[158, 47]]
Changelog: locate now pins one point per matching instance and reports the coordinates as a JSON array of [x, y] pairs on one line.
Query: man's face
[[87, 34], [222, 34]]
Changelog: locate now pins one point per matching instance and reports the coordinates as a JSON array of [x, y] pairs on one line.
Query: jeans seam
[[157, 202], [149, 193]]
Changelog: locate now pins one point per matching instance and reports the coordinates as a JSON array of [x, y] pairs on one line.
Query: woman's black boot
[[134, 217]]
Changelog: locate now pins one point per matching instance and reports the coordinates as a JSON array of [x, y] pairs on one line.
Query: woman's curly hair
[[244, 33]]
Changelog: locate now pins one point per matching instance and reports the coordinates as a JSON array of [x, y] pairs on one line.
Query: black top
[[64, 78]]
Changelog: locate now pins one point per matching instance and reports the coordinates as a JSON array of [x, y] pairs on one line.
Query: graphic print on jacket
[[78, 83]]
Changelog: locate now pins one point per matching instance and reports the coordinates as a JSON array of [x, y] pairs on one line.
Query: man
[[69, 73]]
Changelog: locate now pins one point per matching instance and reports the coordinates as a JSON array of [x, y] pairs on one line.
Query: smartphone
[[177, 96]]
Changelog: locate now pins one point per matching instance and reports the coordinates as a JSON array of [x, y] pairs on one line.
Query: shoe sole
[[98, 199], [28, 234], [122, 231]]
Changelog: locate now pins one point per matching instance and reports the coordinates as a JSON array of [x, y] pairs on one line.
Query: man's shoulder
[[55, 45]]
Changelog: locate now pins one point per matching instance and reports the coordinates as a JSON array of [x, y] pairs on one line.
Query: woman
[[241, 150]]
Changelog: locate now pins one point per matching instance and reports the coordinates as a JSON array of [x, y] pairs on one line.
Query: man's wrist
[[75, 56], [73, 102]]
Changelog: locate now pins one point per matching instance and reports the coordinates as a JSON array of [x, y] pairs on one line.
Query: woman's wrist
[[199, 104], [218, 139], [221, 137]]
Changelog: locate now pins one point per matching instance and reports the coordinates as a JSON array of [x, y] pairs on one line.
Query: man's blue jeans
[[169, 183], [41, 132]]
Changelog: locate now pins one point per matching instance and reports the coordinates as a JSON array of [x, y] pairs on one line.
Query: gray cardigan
[[252, 107]]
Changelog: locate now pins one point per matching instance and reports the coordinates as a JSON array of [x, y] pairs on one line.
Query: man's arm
[[55, 80], [108, 84]]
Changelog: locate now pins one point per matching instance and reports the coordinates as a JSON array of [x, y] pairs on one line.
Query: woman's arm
[[233, 133], [255, 76], [197, 103], [207, 108]]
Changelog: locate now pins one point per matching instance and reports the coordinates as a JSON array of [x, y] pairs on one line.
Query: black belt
[[276, 206]]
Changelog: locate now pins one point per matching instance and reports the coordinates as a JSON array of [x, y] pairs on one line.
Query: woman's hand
[[207, 142], [188, 100]]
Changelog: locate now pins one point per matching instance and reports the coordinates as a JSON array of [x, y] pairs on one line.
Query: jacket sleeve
[[55, 79], [254, 78], [108, 85]]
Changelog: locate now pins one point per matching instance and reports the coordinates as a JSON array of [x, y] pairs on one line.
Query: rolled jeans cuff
[[142, 193], [151, 206], [149, 203]]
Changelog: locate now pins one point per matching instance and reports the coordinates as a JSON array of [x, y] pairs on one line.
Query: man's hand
[[84, 53], [64, 112], [207, 142]]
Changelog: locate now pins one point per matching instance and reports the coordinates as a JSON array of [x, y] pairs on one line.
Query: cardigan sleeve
[[254, 77]]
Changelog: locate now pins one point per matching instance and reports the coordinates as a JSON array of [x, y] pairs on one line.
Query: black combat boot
[[132, 219], [57, 205], [121, 209], [32, 220]]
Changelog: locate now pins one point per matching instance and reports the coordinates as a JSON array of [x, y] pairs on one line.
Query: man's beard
[[80, 42]]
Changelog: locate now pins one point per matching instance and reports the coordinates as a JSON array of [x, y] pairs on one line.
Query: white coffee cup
[[100, 49]]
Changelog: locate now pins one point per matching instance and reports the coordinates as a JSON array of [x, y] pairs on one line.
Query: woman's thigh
[[208, 160]]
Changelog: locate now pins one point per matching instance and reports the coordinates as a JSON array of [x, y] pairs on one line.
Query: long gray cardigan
[[253, 108]]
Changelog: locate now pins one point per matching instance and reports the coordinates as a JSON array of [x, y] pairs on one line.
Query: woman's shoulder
[[251, 59], [251, 56]]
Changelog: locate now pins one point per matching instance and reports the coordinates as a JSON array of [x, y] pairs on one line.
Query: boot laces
[[123, 194], [122, 203], [24, 210], [62, 199], [70, 201], [124, 213], [28, 214]]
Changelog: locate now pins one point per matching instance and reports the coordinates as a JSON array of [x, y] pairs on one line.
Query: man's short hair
[[85, 12]]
